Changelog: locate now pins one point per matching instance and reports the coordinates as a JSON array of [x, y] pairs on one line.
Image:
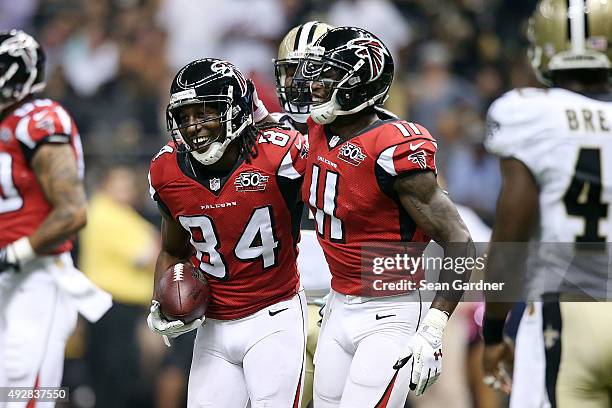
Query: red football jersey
[[348, 186], [244, 226], [23, 205]]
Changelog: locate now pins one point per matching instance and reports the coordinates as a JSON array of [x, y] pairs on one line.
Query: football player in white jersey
[[555, 147], [314, 272]]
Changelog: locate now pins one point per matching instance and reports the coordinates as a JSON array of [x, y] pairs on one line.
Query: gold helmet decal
[[570, 34]]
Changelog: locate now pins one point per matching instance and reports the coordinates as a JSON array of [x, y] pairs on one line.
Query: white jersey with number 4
[[565, 139]]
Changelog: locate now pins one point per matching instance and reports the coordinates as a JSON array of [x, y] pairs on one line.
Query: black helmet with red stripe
[[354, 65]]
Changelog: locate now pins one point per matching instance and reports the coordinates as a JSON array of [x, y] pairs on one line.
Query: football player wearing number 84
[[371, 177], [228, 192]]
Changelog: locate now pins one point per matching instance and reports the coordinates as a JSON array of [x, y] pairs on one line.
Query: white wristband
[[435, 318], [20, 251]]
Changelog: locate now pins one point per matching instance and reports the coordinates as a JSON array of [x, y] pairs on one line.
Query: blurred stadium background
[[110, 62]]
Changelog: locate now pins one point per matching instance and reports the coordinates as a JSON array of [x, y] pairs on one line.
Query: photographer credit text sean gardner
[[409, 285]]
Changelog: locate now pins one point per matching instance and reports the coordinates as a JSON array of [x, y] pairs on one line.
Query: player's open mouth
[[201, 140]]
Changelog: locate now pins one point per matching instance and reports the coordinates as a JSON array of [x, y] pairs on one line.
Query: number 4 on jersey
[[583, 196]]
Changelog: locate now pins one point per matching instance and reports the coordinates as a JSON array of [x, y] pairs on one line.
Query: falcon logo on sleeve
[[419, 158]]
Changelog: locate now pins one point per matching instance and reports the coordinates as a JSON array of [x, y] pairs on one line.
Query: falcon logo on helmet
[[371, 50], [228, 69]]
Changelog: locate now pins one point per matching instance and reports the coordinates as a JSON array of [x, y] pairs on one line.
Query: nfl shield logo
[[215, 184], [334, 141]]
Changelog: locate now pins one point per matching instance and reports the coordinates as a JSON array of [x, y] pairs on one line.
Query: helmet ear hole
[[345, 97]]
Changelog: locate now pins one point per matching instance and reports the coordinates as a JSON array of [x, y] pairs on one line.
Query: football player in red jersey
[[371, 178], [229, 194], [42, 205]]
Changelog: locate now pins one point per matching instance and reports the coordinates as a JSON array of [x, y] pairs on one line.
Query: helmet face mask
[[200, 124], [319, 78], [346, 71], [208, 95], [288, 95], [21, 67], [293, 47]]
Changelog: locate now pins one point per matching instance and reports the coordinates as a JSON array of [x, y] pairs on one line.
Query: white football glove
[[425, 348], [260, 112], [169, 329], [16, 254]]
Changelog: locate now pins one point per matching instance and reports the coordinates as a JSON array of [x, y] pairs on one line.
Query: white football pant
[[257, 359], [360, 341], [36, 320]]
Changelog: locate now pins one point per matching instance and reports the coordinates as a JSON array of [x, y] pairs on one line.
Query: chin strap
[[327, 112], [216, 149]]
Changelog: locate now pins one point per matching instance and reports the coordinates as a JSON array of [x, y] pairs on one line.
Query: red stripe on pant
[[384, 400], [32, 401], [296, 401]]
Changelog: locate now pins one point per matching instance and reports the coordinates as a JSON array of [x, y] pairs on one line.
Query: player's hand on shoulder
[[260, 112], [425, 350], [169, 329]]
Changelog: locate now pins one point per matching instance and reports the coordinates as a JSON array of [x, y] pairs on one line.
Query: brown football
[[183, 293]]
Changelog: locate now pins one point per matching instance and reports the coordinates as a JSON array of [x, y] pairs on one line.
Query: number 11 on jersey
[[329, 179]]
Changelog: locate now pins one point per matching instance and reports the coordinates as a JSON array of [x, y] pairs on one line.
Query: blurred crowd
[[110, 63]]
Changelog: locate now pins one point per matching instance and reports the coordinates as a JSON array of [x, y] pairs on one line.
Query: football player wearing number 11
[[229, 196], [371, 177]]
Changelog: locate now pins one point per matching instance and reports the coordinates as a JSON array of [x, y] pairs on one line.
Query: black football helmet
[[353, 64], [217, 83], [22, 67]]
